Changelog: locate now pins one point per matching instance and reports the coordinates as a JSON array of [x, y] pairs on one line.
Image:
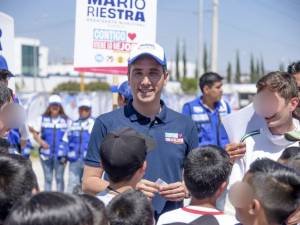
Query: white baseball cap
[[151, 49], [55, 99], [84, 102]]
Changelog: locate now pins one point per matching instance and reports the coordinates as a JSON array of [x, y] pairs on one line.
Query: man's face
[[146, 79], [273, 108], [214, 92], [84, 112], [4, 79], [54, 109], [296, 113]]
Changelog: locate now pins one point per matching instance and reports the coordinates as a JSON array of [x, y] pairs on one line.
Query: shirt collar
[[134, 115], [217, 105]]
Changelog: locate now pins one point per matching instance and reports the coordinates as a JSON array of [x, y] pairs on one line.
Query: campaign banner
[[107, 30]]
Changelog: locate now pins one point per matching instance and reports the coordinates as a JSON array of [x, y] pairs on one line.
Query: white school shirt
[[190, 213]]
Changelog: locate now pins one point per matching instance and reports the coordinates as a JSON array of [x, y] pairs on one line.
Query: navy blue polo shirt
[[175, 135]]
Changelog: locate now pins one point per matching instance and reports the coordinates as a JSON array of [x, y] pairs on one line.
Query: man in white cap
[[175, 134], [76, 140]]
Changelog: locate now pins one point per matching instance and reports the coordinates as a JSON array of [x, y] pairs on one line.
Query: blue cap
[[125, 90], [4, 67]]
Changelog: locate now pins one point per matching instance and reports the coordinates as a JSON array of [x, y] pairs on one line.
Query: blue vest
[[53, 133], [78, 137], [209, 125]]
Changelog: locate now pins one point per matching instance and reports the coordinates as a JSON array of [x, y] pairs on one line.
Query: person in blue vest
[[124, 94], [76, 140], [17, 137], [48, 132], [206, 111]]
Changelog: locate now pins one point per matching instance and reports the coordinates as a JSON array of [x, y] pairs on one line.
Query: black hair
[[205, 169], [4, 146], [289, 153], [17, 180], [130, 208], [48, 208], [294, 68], [4, 94], [277, 187], [209, 79], [97, 208]]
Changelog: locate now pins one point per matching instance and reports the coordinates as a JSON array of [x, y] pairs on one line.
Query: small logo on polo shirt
[[175, 138]]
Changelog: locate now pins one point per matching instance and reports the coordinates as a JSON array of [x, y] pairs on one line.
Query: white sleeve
[[36, 124], [91, 125]]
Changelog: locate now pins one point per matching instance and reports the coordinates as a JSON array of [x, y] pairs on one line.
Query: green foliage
[[229, 73], [72, 86], [189, 85], [177, 59], [238, 69], [205, 59]]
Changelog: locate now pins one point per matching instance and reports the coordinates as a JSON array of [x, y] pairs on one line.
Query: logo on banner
[[99, 58], [175, 138]]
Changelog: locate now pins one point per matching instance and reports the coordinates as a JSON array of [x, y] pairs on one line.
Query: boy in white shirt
[[206, 171]]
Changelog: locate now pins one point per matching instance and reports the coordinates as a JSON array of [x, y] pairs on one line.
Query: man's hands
[[171, 192], [236, 150]]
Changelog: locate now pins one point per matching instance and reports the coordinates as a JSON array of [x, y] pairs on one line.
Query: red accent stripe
[[199, 212], [121, 70]]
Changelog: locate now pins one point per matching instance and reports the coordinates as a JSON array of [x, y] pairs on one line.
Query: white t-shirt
[[190, 213], [261, 144], [105, 196]]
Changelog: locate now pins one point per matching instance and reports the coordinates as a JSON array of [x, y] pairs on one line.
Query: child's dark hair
[[277, 187], [205, 169]]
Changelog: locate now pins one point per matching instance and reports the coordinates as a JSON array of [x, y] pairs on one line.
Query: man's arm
[[92, 182]]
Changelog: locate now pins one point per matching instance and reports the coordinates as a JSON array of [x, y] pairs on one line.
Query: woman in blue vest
[[76, 140], [48, 132]]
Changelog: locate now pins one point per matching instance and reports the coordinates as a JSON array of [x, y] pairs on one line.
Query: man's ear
[[166, 77], [221, 189], [255, 208], [294, 218], [205, 89], [294, 103]]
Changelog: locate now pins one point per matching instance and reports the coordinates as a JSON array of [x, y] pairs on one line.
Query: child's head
[[97, 207], [130, 208], [206, 170], [123, 154], [288, 154], [269, 193], [17, 180], [47, 208]]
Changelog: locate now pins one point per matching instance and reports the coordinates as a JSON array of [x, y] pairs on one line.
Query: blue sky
[[265, 28]]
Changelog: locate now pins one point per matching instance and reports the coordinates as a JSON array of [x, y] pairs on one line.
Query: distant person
[[174, 134], [5, 99], [206, 171], [124, 93], [17, 180], [76, 141], [268, 194], [48, 208], [294, 69], [123, 156], [130, 208], [207, 110], [48, 132], [17, 137]]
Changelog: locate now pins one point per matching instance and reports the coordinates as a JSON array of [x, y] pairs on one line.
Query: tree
[[196, 70], [262, 67], [252, 70], [238, 69], [205, 59], [229, 73], [189, 85], [257, 70], [177, 57], [184, 59]]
